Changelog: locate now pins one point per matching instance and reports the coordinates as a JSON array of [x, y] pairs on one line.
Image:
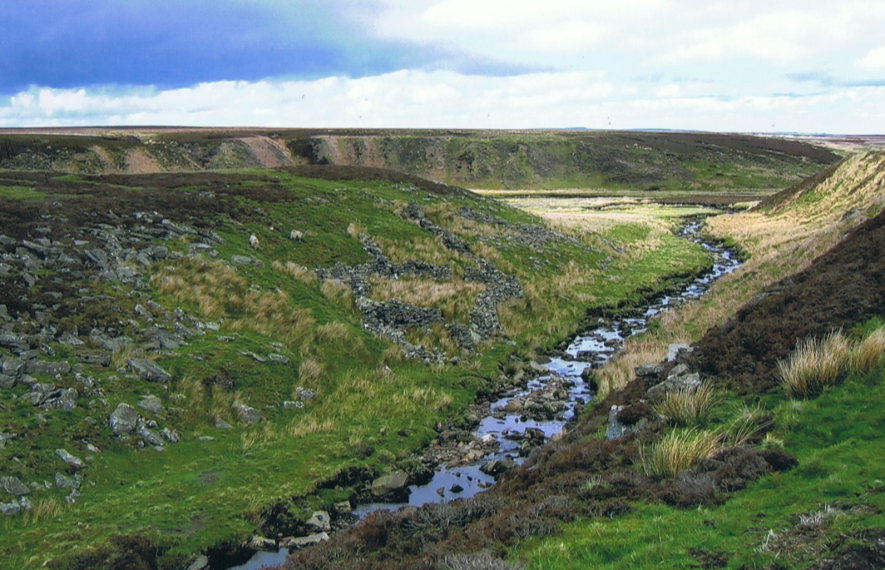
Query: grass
[[20, 193], [201, 492], [689, 406], [784, 520], [678, 450]]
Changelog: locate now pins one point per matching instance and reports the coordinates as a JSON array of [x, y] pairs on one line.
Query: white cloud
[[874, 60], [445, 99]]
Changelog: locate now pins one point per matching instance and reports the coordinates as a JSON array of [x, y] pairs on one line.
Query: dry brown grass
[[689, 406], [337, 292], [310, 373], [44, 509], [677, 451], [299, 272], [868, 353], [814, 365], [454, 298]]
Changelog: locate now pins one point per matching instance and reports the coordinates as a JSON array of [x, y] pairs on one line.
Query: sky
[[802, 66]]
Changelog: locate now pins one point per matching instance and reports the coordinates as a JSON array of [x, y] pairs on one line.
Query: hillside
[[643, 161], [193, 359], [776, 480]]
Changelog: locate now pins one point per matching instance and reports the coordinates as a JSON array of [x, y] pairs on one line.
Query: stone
[[295, 543], [319, 521], [7, 381], [10, 509], [273, 357], [673, 384], [151, 403], [171, 435], [201, 562], [496, 467], [150, 437], [70, 459], [242, 259], [674, 349], [248, 414], [13, 367], [13, 486], [124, 419], [393, 482], [98, 358], [617, 429], [261, 543], [64, 399], [149, 370], [4, 437], [47, 368], [343, 508], [221, 424], [65, 482], [649, 370]]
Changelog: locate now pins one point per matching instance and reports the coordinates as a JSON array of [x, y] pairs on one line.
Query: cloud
[[446, 99], [874, 60]]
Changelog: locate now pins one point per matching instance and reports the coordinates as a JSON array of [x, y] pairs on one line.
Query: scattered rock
[[261, 543], [319, 522], [151, 403], [393, 486], [617, 428], [295, 543], [13, 486], [248, 414], [221, 424], [150, 437], [674, 349], [65, 482], [124, 419], [149, 370], [496, 467], [200, 563], [70, 459], [171, 435], [673, 384]]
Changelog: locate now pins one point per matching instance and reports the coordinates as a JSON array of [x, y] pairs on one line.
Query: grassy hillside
[[660, 163], [737, 471], [209, 389]]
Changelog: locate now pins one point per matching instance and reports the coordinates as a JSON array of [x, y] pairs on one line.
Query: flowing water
[[589, 349]]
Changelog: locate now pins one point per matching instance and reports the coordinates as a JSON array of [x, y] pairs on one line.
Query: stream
[[591, 348]]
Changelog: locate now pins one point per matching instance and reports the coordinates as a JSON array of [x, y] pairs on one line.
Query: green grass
[[197, 494], [20, 193], [838, 441]]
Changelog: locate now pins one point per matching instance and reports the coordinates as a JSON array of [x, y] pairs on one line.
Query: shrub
[[689, 406], [749, 426], [677, 451], [814, 365]]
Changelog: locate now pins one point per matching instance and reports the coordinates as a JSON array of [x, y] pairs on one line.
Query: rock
[[149, 370], [261, 543], [242, 259], [673, 384], [64, 399], [248, 414], [496, 467], [618, 429], [295, 543], [7, 381], [10, 509], [13, 367], [4, 437], [343, 508], [393, 483], [171, 435], [71, 460], [150, 437], [201, 562], [47, 368], [124, 419], [151, 403], [456, 488], [98, 358], [273, 357], [13, 486], [674, 349], [649, 370], [319, 522], [221, 424], [65, 482]]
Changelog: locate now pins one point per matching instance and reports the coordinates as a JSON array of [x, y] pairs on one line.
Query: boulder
[[201, 562], [248, 414], [261, 543], [13, 486], [171, 435], [295, 543], [674, 349], [151, 403], [673, 384], [65, 482], [150, 437], [393, 485], [124, 419], [47, 368], [70, 459], [10, 509], [318, 522], [496, 467], [7, 381], [64, 399], [149, 370], [616, 428]]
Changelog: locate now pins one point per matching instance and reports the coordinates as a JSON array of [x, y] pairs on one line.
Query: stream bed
[[509, 425]]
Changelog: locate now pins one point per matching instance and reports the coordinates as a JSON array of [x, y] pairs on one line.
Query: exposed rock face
[[618, 428], [391, 487]]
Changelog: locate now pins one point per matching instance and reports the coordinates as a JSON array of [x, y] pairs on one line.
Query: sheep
[[253, 241], [296, 235]]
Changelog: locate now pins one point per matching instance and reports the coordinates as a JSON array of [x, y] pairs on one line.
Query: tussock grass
[[677, 451], [689, 406], [310, 373], [299, 272], [334, 332], [747, 426], [337, 292], [868, 353], [814, 365], [44, 509], [620, 370]]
